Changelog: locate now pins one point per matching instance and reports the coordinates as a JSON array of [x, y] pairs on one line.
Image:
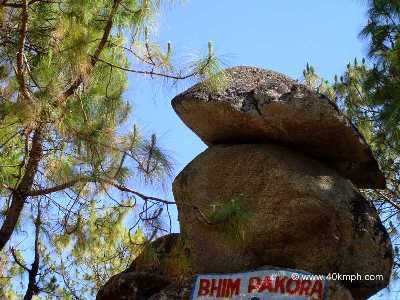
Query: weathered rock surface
[[336, 291], [260, 105], [151, 273], [132, 286], [160, 272], [174, 292], [168, 256], [303, 215]]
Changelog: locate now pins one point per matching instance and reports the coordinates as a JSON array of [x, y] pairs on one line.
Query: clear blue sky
[[280, 35]]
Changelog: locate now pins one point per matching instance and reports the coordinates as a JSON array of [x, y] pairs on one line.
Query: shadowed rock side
[[260, 105], [301, 215], [168, 256], [132, 286], [154, 272]]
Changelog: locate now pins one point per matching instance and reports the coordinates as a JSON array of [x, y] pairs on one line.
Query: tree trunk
[[20, 194]]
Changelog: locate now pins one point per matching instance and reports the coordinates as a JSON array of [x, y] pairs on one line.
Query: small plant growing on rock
[[178, 264], [150, 258], [232, 219]]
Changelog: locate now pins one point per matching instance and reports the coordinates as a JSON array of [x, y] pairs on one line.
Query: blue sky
[[280, 35]]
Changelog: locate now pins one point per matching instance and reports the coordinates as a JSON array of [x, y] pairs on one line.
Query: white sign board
[[260, 285]]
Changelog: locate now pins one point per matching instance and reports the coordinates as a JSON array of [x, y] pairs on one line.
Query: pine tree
[[369, 93], [63, 67], [382, 83], [352, 97]]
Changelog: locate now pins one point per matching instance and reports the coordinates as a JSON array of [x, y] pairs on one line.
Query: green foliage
[[231, 219], [8, 271], [101, 246], [369, 93], [353, 97], [312, 80], [179, 264], [382, 81], [150, 257], [209, 70]]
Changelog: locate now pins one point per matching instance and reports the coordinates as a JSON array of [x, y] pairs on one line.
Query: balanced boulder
[[291, 211], [277, 187], [259, 105]]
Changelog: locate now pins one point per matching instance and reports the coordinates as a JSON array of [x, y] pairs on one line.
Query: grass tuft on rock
[[232, 219]]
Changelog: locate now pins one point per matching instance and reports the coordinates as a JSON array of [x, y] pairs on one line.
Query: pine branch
[[9, 139], [150, 73], [4, 186], [57, 188], [122, 188], [18, 5], [107, 30], [17, 261]]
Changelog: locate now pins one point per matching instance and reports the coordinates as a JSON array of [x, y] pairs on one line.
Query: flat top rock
[[257, 106]]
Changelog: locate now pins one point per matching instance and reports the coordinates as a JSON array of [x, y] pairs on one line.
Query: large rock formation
[[275, 187]]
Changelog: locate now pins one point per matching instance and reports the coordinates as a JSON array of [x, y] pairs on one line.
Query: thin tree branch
[[140, 195], [111, 182], [17, 261], [57, 188], [33, 288], [150, 73], [20, 54], [388, 200]]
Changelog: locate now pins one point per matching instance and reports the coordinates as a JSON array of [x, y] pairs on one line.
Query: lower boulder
[[174, 292], [336, 291], [168, 256], [161, 271], [244, 206], [130, 285]]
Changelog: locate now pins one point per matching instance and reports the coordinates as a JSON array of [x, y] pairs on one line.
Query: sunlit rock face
[[299, 213]]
